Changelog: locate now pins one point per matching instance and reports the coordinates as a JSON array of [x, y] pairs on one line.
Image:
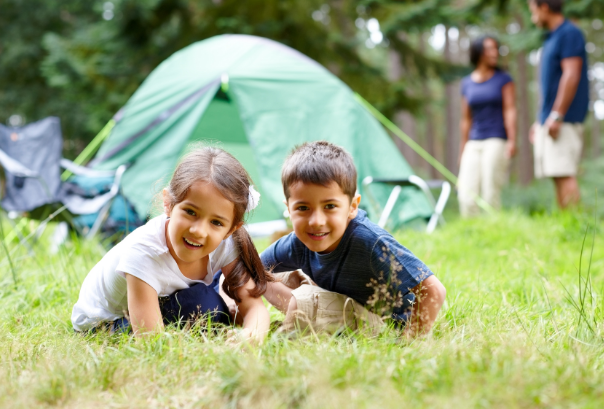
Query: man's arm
[[569, 82], [429, 298], [508, 94]]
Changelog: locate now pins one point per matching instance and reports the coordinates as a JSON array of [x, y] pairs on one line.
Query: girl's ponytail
[[249, 265]]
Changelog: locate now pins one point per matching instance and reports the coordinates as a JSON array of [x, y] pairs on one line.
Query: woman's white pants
[[483, 171]]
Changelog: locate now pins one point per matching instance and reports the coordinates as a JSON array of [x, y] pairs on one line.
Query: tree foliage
[[64, 58]]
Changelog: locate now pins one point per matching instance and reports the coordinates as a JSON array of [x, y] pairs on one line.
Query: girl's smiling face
[[197, 225]]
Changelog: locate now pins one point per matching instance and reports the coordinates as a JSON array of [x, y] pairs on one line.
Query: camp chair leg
[[99, 220], [396, 191], [421, 184], [437, 216]]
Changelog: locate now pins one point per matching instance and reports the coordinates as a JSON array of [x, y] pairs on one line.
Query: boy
[[353, 262]]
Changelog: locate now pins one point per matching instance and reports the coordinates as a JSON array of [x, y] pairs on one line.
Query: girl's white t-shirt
[[145, 255]]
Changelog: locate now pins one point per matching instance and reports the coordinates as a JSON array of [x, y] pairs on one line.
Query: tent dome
[[257, 99]]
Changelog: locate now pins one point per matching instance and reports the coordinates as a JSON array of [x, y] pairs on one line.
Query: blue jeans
[[191, 303]]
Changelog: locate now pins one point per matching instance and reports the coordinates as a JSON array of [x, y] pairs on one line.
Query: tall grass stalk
[[5, 248]]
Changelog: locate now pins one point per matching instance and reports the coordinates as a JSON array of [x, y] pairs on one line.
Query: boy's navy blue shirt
[[365, 252], [566, 41]]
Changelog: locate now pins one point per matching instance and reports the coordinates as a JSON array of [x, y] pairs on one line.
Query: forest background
[[82, 60]]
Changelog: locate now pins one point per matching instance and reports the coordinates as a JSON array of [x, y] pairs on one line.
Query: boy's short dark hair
[[319, 163], [555, 6]]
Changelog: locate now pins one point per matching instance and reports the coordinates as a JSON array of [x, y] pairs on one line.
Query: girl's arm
[[143, 307], [252, 313], [429, 298], [508, 95]]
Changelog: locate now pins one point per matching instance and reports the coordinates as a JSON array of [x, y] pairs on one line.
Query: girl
[[488, 128], [176, 255]]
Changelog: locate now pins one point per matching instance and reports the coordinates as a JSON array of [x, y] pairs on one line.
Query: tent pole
[[417, 148], [91, 148]]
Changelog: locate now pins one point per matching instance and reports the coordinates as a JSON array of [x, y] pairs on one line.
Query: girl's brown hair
[[225, 173]]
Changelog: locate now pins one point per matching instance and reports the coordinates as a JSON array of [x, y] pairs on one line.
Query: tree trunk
[[451, 129], [595, 126], [525, 149], [403, 119], [430, 133]]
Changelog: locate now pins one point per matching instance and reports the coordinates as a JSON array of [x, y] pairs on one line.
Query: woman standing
[[488, 128]]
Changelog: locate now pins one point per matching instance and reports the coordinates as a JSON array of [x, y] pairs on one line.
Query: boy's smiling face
[[320, 214]]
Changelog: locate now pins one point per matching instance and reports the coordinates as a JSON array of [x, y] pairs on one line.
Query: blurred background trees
[[82, 60]]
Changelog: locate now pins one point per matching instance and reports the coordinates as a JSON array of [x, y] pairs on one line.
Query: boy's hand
[[429, 297]]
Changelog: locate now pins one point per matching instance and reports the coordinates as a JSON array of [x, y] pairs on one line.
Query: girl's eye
[[302, 208], [190, 212], [217, 223]]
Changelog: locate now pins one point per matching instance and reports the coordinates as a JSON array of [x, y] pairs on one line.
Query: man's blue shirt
[[566, 41], [366, 255]]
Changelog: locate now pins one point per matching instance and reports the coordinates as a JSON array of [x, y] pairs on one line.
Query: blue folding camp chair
[[32, 160]]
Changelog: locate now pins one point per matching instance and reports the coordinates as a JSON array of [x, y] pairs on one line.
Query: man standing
[[558, 135]]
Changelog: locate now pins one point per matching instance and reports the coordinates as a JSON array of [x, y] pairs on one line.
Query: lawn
[[522, 327]]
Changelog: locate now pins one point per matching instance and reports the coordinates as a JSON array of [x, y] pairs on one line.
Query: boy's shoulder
[[363, 233]]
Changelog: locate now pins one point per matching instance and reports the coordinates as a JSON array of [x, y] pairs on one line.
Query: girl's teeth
[[193, 244]]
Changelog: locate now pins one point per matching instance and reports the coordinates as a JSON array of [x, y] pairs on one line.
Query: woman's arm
[[429, 297], [508, 94], [143, 307], [465, 124]]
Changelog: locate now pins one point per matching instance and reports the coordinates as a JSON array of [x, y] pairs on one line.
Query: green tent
[[257, 99]]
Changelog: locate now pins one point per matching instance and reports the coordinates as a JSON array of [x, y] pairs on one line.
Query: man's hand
[[553, 127], [510, 149]]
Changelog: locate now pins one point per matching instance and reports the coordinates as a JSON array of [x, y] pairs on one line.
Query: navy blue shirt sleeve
[[283, 255], [505, 78], [572, 44], [393, 262]]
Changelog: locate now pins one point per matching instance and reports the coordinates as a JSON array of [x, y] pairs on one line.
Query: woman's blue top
[[486, 103]]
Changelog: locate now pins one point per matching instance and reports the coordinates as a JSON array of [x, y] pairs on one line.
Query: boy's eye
[[217, 223], [330, 206]]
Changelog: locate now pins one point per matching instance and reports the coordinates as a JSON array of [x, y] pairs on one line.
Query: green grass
[[522, 327]]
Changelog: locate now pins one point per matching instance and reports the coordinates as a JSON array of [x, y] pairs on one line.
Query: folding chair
[[414, 181], [32, 160]]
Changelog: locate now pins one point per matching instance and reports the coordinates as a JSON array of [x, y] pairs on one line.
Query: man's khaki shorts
[[320, 310], [558, 157]]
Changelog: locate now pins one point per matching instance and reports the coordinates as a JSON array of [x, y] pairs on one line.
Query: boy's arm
[[429, 298], [279, 295], [281, 256]]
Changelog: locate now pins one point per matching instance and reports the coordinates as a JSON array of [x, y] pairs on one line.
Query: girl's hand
[[238, 335]]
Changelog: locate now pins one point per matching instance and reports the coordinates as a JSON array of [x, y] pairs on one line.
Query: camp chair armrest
[[15, 167], [84, 171]]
